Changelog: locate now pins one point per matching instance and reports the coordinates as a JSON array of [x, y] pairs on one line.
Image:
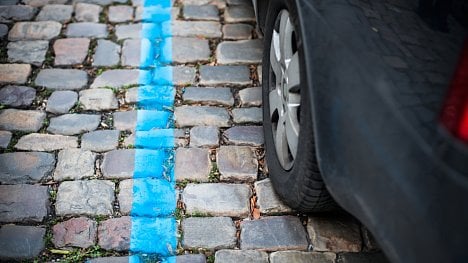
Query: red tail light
[[455, 112]]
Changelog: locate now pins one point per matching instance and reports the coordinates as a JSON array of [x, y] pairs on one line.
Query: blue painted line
[[152, 119], [156, 97], [154, 236], [163, 199], [151, 164], [155, 139]]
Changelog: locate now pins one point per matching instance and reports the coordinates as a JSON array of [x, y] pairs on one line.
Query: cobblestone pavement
[[68, 76]]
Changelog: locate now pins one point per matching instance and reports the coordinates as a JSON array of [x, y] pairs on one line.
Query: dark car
[[366, 106]]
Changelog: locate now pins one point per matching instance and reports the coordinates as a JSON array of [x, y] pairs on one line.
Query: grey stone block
[[87, 29], [239, 52], [204, 136], [62, 79], [76, 232], [43, 30], [74, 164], [61, 101], [267, 200], [239, 14], [186, 116], [87, 12], [100, 141], [191, 258], [98, 99], [208, 96], [32, 52], [21, 120], [25, 167], [118, 164], [207, 29], [114, 233], [251, 96], [117, 78], [59, 13], [336, 234], [241, 256], [224, 75], [70, 124], [10, 13], [188, 50], [201, 12], [17, 96], [192, 164], [237, 31], [5, 137], [107, 53], [208, 233], [125, 196], [14, 73], [23, 203], [302, 257], [70, 51], [244, 135], [21, 242], [120, 13], [247, 115], [125, 120], [46, 142], [237, 163]]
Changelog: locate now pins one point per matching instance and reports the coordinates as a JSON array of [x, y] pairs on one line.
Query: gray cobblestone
[[183, 75], [132, 51], [116, 164], [223, 75], [5, 137], [17, 96], [23, 203], [117, 78], [247, 115], [3, 30], [208, 96], [10, 13], [120, 13], [251, 96], [107, 53], [125, 196], [21, 242], [98, 99], [189, 50], [204, 136], [206, 29], [239, 52], [43, 30], [39, 3], [238, 2], [14, 73], [110, 260], [25, 167], [237, 31], [192, 164], [76, 232], [203, 12], [100, 141], [59, 13], [61, 101], [33, 52], [114, 233], [71, 124], [239, 14], [62, 79], [273, 233], [244, 135], [94, 197], [125, 120], [208, 233], [191, 258], [334, 234], [46, 142], [87, 29], [21, 120], [267, 200], [302, 257], [186, 116], [128, 31], [70, 51], [217, 199], [85, 12], [131, 95], [241, 256], [237, 163], [74, 164]]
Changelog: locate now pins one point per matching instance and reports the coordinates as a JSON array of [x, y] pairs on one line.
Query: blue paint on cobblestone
[[155, 139], [163, 75], [154, 235], [156, 97], [150, 164], [151, 119], [162, 201]]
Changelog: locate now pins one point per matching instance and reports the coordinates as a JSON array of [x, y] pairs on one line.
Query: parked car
[[366, 106]]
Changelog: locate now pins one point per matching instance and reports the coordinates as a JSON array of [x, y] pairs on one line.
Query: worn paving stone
[[87, 29], [21, 242], [71, 124], [85, 12], [224, 75], [251, 96], [201, 12], [241, 256], [61, 101], [39, 3], [182, 75], [46, 142], [116, 164], [62, 79], [98, 99], [239, 14], [125, 120], [14, 73], [237, 31], [100, 141], [217, 199], [94, 197], [188, 50], [9, 13], [337, 234], [125, 196], [70, 51], [273, 233], [59, 13], [208, 96], [204, 136], [377, 257], [25, 167], [302, 257], [186, 116], [120, 13], [134, 51], [208, 233], [110, 260], [240, 52], [128, 31], [238, 2], [191, 258], [247, 115], [114, 233], [131, 95], [21, 120], [244, 135], [117, 78], [74, 164], [267, 200], [17, 96], [42, 30], [107, 53], [207, 29], [32, 52], [219, 3], [145, 13], [192, 164], [76, 232], [237, 163], [5, 138], [3, 30], [23, 203]]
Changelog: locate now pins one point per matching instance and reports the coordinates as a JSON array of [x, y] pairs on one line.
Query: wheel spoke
[[293, 74], [276, 104], [281, 144], [275, 56], [285, 38], [292, 130]]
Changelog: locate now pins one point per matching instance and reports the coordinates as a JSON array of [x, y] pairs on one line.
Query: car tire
[[295, 176]]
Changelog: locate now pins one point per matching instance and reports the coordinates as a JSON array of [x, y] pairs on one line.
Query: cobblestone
[[207, 29], [5, 137], [39, 3], [59, 13], [237, 163], [120, 13], [239, 52], [204, 136], [74, 164], [191, 258], [117, 78], [33, 52], [9, 13], [107, 53], [61, 101], [76, 232], [267, 200], [188, 50], [21, 242], [46, 142], [208, 233], [25, 167], [183, 75], [334, 234], [302, 257], [114, 233], [100, 141], [134, 52], [93, 198], [241, 256], [247, 115], [85, 12], [3, 30], [87, 29], [98, 99], [23, 203], [208, 96], [125, 120], [21, 120], [128, 31], [203, 12], [110, 260], [125, 196], [17, 96], [14, 73], [71, 124], [244, 135], [238, 2], [251, 97], [239, 14], [62, 79], [224, 75], [237, 31], [192, 164], [273, 233], [217, 199], [186, 116], [70, 51], [42, 30]]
